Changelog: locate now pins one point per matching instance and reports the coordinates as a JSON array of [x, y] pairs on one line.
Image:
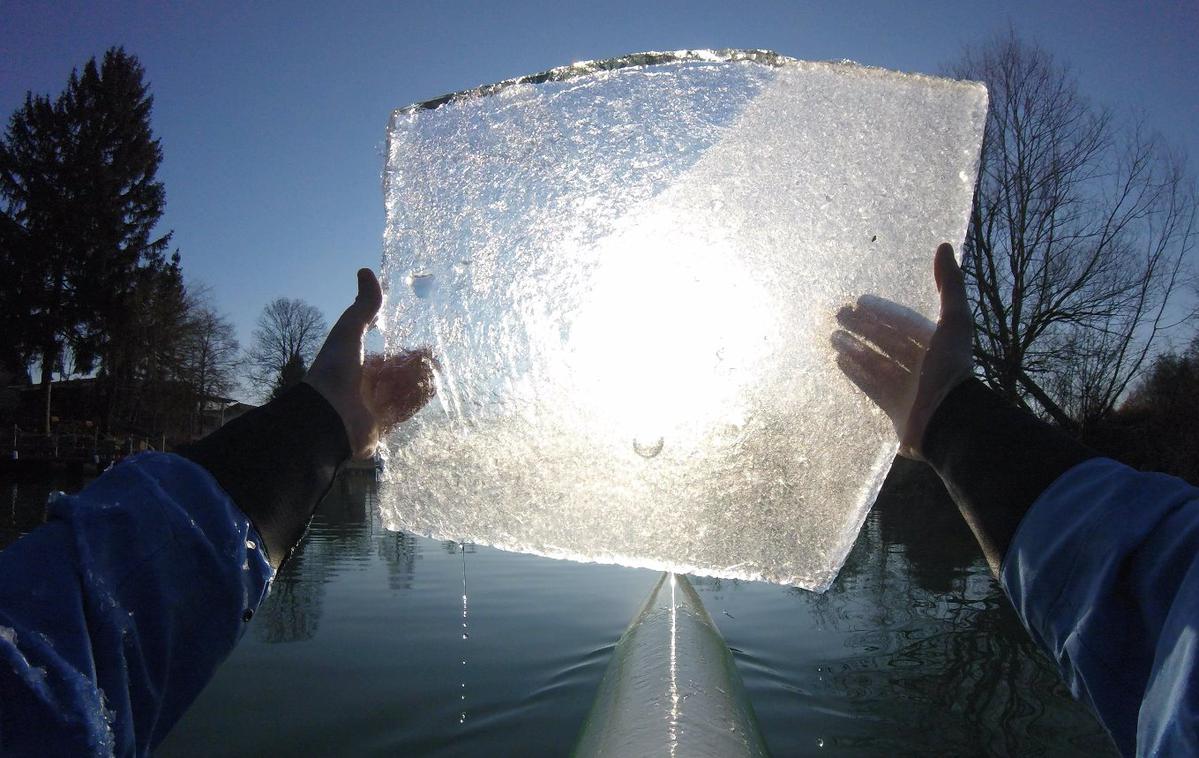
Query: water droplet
[[648, 449], [422, 283], [819, 742], [465, 636]]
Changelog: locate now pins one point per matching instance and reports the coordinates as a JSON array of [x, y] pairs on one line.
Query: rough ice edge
[[648, 58], [658, 58], [625, 561], [848, 535], [818, 583], [582, 68]]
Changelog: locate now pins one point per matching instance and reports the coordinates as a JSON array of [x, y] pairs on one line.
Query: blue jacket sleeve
[[1104, 572], [116, 612]]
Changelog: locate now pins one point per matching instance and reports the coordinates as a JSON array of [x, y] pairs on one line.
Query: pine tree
[[81, 201], [289, 376]]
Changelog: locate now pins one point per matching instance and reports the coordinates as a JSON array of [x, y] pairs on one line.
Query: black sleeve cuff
[[995, 459], [277, 462]]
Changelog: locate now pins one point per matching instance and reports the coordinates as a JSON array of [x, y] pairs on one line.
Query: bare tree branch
[[1078, 240], [286, 328], [212, 355]]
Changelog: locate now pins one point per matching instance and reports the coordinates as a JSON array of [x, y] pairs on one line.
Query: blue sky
[[272, 116]]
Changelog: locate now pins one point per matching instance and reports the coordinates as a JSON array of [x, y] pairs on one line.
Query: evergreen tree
[[144, 346], [35, 211], [14, 350], [80, 203], [290, 375]]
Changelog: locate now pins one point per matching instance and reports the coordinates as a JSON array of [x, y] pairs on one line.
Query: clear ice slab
[[629, 271]]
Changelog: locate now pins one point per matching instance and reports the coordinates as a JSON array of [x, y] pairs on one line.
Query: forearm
[[1102, 572], [277, 462], [116, 612], [1104, 575], [995, 460]]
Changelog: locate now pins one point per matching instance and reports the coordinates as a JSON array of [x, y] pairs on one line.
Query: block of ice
[[629, 271]]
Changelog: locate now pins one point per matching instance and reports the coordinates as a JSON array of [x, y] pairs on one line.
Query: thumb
[[955, 306], [361, 313]]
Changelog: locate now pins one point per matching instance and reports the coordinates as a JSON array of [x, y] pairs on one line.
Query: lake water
[[361, 648]]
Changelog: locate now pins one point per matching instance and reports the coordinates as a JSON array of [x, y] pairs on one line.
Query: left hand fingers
[[398, 386]]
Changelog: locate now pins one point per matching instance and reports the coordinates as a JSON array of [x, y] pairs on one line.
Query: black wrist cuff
[[996, 459], [277, 462]]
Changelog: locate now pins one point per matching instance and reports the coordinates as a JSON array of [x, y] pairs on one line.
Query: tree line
[[90, 287], [1078, 254]]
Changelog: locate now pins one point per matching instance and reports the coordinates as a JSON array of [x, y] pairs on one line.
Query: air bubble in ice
[[421, 283], [648, 448]]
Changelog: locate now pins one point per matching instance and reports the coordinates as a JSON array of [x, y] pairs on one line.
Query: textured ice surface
[[629, 272]]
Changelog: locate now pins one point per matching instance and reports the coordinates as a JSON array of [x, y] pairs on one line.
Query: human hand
[[901, 360], [375, 394]]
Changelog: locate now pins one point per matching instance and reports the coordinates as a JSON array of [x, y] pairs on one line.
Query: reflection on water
[[913, 650], [24, 502], [931, 653], [465, 628]]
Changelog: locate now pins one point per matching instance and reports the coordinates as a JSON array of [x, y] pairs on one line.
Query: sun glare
[[669, 336]]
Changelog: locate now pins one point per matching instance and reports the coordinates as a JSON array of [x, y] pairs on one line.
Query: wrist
[[922, 420], [276, 463]]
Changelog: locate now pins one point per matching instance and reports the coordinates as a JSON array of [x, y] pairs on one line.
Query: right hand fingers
[[899, 332], [883, 379], [955, 305]]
